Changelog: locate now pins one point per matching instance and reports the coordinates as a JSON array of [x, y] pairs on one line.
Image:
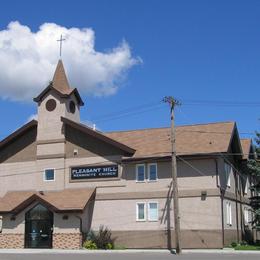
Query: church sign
[[94, 172]]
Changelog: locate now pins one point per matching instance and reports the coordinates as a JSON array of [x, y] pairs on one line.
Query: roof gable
[[247, 148], [126, 150]]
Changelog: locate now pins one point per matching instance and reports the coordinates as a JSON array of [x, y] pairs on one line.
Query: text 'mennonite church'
[[60, 178]]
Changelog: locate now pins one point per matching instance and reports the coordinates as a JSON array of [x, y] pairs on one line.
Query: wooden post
[[173, 103]]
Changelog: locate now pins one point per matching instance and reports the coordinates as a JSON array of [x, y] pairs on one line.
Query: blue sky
[[193, 50]]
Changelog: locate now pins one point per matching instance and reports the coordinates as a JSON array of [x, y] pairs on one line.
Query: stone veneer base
[[9, 240], [59, 240], [67, 240]]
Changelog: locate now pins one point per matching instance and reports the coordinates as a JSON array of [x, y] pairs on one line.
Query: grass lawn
[[247, 247]]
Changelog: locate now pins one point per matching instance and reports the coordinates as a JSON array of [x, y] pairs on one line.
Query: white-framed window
[[153, 211], [228, 173], [229, 213], [246, 216], [140, 211], [246, 187], [140, 172], [152, 172], [49, 175], [1, 224]]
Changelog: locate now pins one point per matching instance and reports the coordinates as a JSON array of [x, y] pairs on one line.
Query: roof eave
[[166, 157], [234, 134], [18, 132], [50, 87]]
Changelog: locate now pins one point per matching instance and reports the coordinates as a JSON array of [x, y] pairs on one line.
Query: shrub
[[102, 238], [243, 243], [109, 246], [234, 244], [88, 244]]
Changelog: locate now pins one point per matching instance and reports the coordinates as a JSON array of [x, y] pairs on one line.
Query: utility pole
[[173, 102]]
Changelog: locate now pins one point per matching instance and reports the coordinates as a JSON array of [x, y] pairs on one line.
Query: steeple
[[60, 81], [56, 101], [61, 86]]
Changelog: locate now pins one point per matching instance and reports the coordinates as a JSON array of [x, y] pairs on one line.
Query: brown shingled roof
[[246, 147], [64, 200], [190, 139], [60, 81]]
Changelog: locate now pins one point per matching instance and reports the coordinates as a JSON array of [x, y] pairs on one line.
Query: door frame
[[28, 223]]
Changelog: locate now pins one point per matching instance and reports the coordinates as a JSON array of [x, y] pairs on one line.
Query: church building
[[59, 179]]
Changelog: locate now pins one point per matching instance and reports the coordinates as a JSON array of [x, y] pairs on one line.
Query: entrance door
[[38, 227]]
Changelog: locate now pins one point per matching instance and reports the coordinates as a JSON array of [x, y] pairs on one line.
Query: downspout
[[236, 191], [241, 211], [222, 214], [221, 197]]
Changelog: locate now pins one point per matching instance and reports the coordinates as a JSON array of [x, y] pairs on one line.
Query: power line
[[221, 103], [133, 113], [128, 110], [140, 109]]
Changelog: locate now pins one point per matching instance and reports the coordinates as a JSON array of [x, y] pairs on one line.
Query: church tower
[[57, 100]]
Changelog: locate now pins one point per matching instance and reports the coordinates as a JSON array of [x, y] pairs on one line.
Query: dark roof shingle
[[64, 200], [190, 139]]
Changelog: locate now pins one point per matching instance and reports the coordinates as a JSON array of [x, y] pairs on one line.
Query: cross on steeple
[[61, 40]]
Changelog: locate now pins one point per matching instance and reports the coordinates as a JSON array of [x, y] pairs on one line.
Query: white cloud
[[28, 60], [32, 117]]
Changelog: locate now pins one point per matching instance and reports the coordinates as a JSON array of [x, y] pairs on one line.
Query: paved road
[[131, 256]]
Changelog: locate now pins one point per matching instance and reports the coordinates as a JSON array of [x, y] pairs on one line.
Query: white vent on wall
[[75, 152]]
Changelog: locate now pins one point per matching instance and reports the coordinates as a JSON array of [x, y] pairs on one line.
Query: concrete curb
[[81, 251], [127, 251]]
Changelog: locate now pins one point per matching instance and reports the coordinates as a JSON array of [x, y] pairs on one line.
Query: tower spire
[[60, 81]]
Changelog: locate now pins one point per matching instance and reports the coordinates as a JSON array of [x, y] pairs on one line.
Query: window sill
[[152, 180], [140, 220]]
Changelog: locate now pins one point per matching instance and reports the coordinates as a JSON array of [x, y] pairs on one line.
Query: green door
[[38, 227]]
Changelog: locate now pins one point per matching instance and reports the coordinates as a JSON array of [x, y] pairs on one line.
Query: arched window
[[39, 212]]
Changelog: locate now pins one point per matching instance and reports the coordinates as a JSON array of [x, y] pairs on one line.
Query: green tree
[[254, 169]]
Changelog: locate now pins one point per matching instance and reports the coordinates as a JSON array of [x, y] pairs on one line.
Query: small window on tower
[[72, 107], [50, 105]]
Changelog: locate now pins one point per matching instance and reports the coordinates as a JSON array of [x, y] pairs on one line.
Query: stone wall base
[[9, 240], [67, 240]]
